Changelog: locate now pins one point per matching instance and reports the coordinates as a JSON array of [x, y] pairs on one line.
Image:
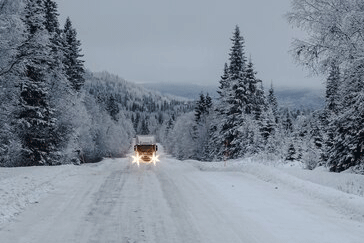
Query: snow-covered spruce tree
[[74, 66], [332, 107], [51, 18], [220, 115], [252, 102], [348, 136], [36, 122], [236, 96], [272, 102], [144, 130], [270, 136], [311, 136], [252, 106], [240, 105], [268, 128], [200, 108], [66, 113], [332, 101], [291, 153], [201, 128], [112, 108]]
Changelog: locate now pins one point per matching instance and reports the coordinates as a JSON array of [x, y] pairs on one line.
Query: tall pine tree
[[36, 123], [332, 92], [272, 102], [236, 95], [347, 148], [74, 66]]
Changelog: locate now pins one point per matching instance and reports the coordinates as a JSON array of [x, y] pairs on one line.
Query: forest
[[53, 111]]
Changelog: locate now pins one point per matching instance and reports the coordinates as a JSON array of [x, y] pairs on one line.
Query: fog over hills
[[294, 98]]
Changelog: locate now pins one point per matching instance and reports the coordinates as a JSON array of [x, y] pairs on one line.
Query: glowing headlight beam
[[155, 158], [136, 159]]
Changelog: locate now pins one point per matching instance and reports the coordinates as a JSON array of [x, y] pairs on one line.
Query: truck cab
[[145, 149]]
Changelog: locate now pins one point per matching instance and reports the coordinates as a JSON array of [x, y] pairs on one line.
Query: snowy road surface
[[115, 201]]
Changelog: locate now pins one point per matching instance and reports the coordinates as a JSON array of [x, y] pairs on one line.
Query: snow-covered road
[[114, 201]]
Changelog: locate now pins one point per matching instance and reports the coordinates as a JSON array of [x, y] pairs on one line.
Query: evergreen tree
[[240, 98], [237, 56], [202, 128], [224, 82], [291, 153], [218, 127], [136, 122], [332, 95], [256, 103], [200, 108], [287, 122], [251, 89], [52, 26], [348, 133], [144, 128], [36, 122], [112, 108], [236, 95], [59, 87], [272, 102], [73, 65], [51, 17], [208, 103], [267, 124]]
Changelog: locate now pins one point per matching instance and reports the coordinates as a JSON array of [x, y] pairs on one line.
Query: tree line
[[245, 122], [52, 110], [40, 68]]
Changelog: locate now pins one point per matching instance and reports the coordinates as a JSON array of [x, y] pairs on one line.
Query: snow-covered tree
[[236, 100], [332, 90], [11, 36], [112, 107], [272, 102], [202, 128], [335, 45], [335, 32], [74, 66], [36, 122], [348, 134], [200, 108]]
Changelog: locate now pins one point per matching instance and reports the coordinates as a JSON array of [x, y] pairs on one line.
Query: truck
[[145, 149]]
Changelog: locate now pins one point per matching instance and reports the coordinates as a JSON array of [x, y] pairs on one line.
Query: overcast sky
[[185, 41]]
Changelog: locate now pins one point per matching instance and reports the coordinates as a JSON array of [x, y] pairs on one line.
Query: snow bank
[[343, 192], [345, 181], [20, 187]]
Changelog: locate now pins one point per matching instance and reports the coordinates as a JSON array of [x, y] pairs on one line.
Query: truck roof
[[145, 139]]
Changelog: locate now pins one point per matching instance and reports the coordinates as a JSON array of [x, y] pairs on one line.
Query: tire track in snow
[[104, 214]]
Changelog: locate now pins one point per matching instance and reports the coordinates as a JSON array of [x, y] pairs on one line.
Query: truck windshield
[[146, 148]]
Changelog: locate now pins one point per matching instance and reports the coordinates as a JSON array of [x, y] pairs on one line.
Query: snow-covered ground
[[189, 201]]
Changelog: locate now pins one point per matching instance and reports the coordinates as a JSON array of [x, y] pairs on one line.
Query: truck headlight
[[136, 159], [155, 158]]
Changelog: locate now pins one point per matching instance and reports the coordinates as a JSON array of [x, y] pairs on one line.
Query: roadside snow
[[342, 192], [20, 187], [345, 181]]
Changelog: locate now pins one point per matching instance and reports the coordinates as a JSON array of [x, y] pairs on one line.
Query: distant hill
[[300, 98], [190, 91], [294, 98], [131, 96]]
